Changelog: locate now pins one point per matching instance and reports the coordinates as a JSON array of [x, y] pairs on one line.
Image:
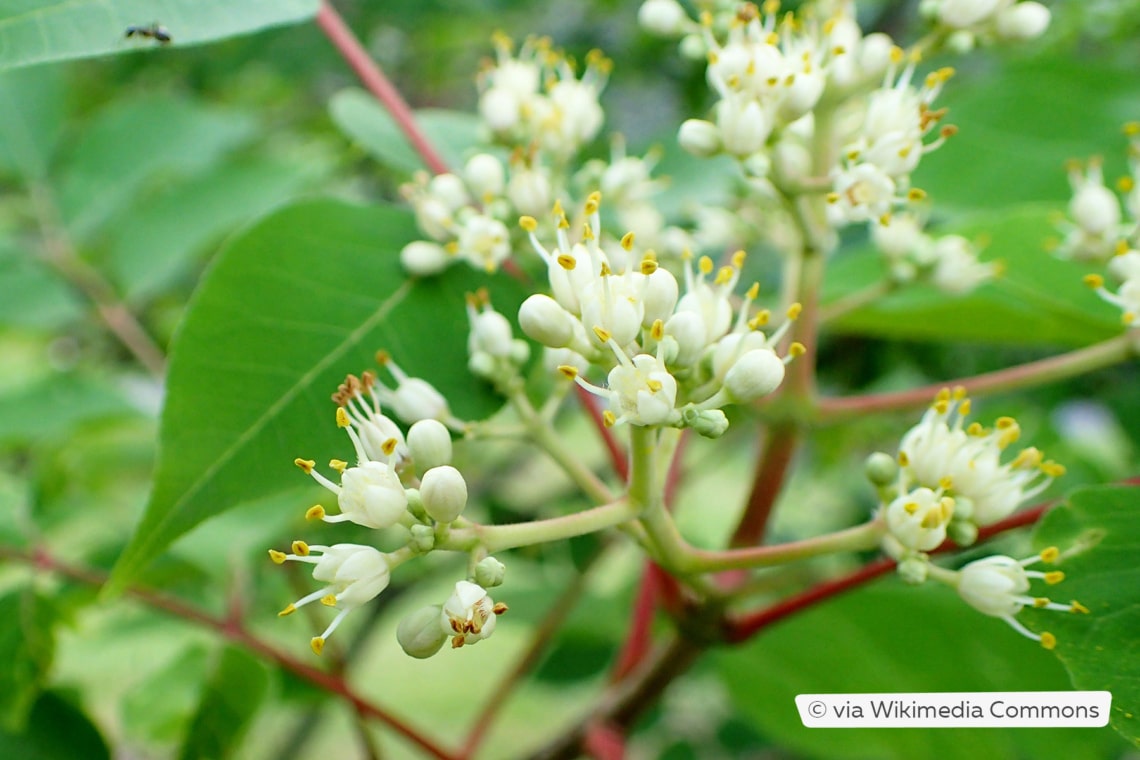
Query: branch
[[374, 80], [232, 630]]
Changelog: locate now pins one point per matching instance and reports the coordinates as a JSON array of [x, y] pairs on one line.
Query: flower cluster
[[951, 478], [671, 359], [970, 22], [949, 263], [396, 482], [998, 586]]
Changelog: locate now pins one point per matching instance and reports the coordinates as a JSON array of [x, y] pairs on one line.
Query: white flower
[[917, 519], [1023, 21], [957, 269], [484, 242], [423, 259], [1125, 267], [469, 614], [662, 17], [699, 137], [413, 399], [354, 574], [485, 176], [997, 586], [755, 374], [861, 193], [419, 633]]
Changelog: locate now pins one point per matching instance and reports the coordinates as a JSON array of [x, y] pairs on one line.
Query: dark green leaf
[[32, 102], [232, 696], [56, 730], [290, 307], [891, 638], [36, 31], [1101, 650], [28, 642], [362, 118], [31, 295], [159, 708]]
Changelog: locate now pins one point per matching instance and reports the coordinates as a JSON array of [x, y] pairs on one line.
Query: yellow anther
[[942, 407], [910, 507], [942, 395], [608, 418], [627, 241], [794, 310], [1094, 281], [964, 408], [499, 608], [605, 270], [1050, 554], [762, 318], [1076, 606], [306, 465], [457, 641], [339, 465], [329, 600], [567, 262], [1053, 577], [1128, 318], [833, 197], [904, 460], [300, 548], [947, 508], [975, 429], [738, 259], [389, 446], [1053, 469], [315, 512], [602, 333], [915, 194], [383, 357], [587, 231], [1048, 640], [342, 420], [557, 210], [451, 248], [945, 483], [1122, 245], [958, 392], [1040, 602], [567, 371], [753, 292], [653, 385], [1132, 128], [591, 209], [528, 223], [932, 519], [724, 276], [657, 330], [771, 7], [287, 611], [318, 645], [797, 349], [946, 73], [648, 266], [1005, 423], [948, 131], [885, 219], [704, 265], [897, 54], [277, 557]]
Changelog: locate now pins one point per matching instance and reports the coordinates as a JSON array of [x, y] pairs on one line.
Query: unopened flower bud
[[699, 137], [529, 191], [449, 189], [881, 468], [430, 444], [416, 399], [710, 423], [913, 570], [659, 296], [544, 320], [744, 127], [960, 14], [423, 538], [1023, 21], [423, 259], [490, 333], [444, 493], [489, 572], [661, 17], [962, 532], [420, 634], [756, 373], [688, 329], [485, 176]]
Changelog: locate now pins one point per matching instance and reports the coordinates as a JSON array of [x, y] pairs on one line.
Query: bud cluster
[[949, 263]]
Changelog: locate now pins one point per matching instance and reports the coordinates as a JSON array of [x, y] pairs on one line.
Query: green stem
[[860, 538], [855, 300], [496, 538]]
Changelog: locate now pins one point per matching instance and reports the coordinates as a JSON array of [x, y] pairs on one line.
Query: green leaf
[[361, 117], [32, 102], [53, 407], [37, 31], [167, 231], [1039, 299], [232, 696], [31, 295], [160, 708], [56, 730], [891, 638], [287, 310], [1098, 533], [136, 141], [28, 643]]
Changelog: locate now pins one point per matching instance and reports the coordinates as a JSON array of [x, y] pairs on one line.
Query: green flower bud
[[444, 493], [420, 634], [913, 570], [962, 532], [423, 537], [710, 423], [489, 572], [881, 468]]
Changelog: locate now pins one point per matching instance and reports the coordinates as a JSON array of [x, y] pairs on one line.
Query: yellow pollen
[[724, 276], [653, 385], [794, 310], [910, 507], [567, 371], [657, 331], [738, 259], [948, 131], [942, 395], [457, 641], [605, 270], [915, 194], [306, 465], [528, 223], [904, 460], [1132, 128], [277, 557], [451, 248], [1040, 602], [339, 465], [1004, 423], [329, 600], [1094, 281], [389, 446], [342, 420], [587, 230], [896, 54], [315, 512], [608, 418], [705, 265], [602, 333], [1052, 469], [383, 357], [1122, 245], [975, 429], [964, 408], [648, 266], [1050, 554], [771, 7], [563, 223], [932, 519], [318, 645], [1048, 641], [1054, 577], [753, 292], [773, 39], [287, 611], [1076, 606], [567, 262], [627, 241], [833, 197], [797, 349], [942, 406], [1128, 317], [945, 483], [300, 548]]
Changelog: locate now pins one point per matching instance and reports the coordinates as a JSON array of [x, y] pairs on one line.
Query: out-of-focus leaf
[[290, 307], [134, 141], [1101, 650], [232, 696], [362, 118], [166, 231], [28, 641], [56, 730], [36, 31], [31, 295], [50, 409], [891, 638], [160, 708], [33, 106], [1039, 299]]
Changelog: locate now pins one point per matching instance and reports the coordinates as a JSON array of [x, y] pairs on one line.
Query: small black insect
[[156, 32]]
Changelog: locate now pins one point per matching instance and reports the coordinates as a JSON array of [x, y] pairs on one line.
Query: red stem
[[778, 451], [232, 630], [374, 80], [637, 641]]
